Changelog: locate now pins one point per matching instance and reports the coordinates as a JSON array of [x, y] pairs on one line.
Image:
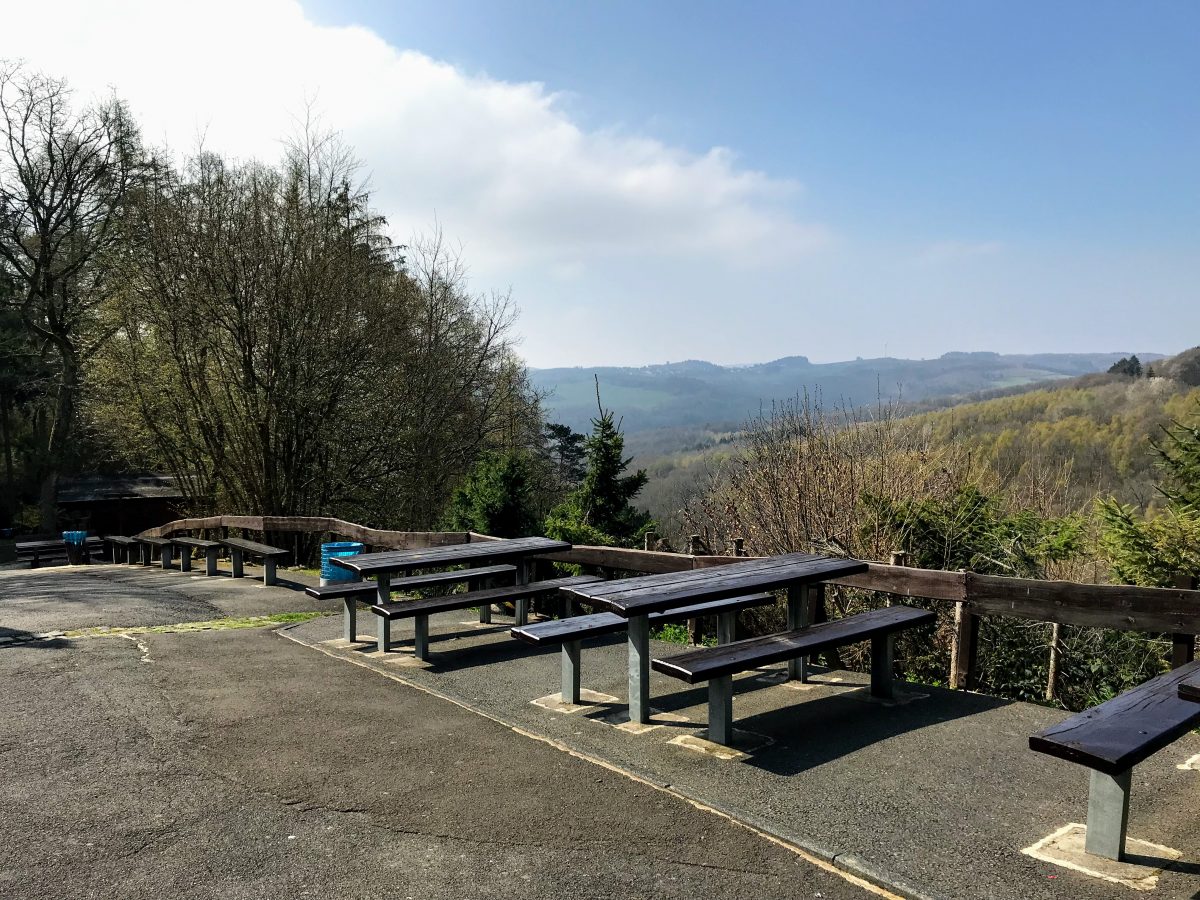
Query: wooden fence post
[[1183, 646], [965, 654], [739, 547], [651, 540], [1055, 654], [693, 625]]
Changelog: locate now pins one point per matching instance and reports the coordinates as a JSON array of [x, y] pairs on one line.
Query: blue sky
[[1056, 121], [735, 182]]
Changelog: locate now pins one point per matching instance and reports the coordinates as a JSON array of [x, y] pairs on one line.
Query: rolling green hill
[[698, 396]]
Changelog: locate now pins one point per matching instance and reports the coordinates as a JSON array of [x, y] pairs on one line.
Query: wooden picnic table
[[636, 598], [383, 565]]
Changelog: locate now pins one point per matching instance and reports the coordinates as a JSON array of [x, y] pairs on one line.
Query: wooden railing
[[1172, 611]]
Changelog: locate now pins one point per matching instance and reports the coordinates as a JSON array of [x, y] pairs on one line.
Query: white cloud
[[501, 165]]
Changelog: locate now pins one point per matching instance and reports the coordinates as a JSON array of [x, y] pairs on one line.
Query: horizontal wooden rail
[[315, 525], [1120, 607]]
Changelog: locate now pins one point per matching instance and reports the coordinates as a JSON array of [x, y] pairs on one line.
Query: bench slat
[[404, 609], [1117, 735], [153, 541], [739, 656], [368, 588], [195, 542], [597, 624], [120, 540], [253, 547], [1189, 688]]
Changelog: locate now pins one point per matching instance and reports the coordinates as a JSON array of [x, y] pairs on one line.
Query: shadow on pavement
[[817, 730], [11, 638]]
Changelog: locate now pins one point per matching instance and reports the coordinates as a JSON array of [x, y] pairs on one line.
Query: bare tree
[[283, 358], [65, 176]]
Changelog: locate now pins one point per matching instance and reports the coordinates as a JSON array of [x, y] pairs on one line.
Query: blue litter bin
[[75, 541], [331, 574]]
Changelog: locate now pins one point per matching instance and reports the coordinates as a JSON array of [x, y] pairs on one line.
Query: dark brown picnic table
[[636, 598], [383, 565]]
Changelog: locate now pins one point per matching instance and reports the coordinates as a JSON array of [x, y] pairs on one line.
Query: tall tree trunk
[[62, 431], [10, 485]]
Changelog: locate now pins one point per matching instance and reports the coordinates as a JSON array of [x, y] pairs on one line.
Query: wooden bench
[[187, 544], [1112, 738], [122, 547], [420, 610], [149, 545], [240, 547], [570, 632], [350, 592], [718, 665]]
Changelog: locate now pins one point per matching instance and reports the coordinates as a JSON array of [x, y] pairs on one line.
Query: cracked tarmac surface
[[239, 764]]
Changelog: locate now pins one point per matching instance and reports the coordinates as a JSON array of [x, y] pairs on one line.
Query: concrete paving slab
[[73, 597], [936, 796], [237, 764], [1140, 870]]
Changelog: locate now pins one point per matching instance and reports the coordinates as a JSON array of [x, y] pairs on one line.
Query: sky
[[659, 181]]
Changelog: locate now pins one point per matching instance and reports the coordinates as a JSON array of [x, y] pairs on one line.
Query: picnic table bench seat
[[571, 631], [1112, 738], [122, 547], [420, 610], [188, 544], [239, 548], [350, 592], [148, 547], [718, 665]]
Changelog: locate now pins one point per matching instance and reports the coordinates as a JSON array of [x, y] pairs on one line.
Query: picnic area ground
[[210, 743]]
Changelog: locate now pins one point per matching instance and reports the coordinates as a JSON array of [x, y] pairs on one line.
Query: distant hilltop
[[695, 393]]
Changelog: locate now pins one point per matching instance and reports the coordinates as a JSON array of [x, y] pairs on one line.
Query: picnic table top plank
[[651, 593], [1121, 732], [389, 561]]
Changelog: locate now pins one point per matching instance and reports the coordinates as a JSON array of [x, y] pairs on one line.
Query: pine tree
[[496, 498], [600, 510]]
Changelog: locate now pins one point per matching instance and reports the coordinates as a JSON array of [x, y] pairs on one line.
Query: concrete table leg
[[349, 625], [799, 613], [185, 559], [570, 672], [720, 709], [164, 555], [882, 648], [269, 571], [383, 628], [210, 561], [147, 554], [235, 558], [639, 669], [522, 602], [726, 627], [421, 637], [1108, 815]]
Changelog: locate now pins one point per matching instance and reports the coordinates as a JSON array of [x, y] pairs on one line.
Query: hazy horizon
[[671, 180]]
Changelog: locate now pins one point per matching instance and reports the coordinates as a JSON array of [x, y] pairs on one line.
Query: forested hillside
[[670, 401], [1099, 433]]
